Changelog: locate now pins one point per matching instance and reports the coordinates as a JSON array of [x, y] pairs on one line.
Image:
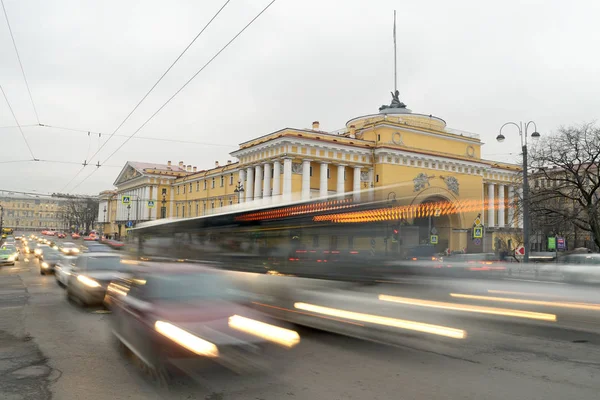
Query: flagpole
[[395, 58]]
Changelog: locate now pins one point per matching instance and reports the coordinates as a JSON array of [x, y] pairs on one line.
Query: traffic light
[[395, 233]]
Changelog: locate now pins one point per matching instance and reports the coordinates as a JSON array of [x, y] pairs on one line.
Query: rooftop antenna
[[395, 58]]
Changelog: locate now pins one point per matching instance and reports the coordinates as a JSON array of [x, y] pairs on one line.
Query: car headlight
[[185, 339], [45, 265], [11, 258], [275, 334], [75, 250], [88, 281]]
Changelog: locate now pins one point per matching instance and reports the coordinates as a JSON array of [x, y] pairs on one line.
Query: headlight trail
[[469, 308], [582, 306]]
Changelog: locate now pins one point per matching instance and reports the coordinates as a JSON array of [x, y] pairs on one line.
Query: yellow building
[[25, 212], [417, 154]]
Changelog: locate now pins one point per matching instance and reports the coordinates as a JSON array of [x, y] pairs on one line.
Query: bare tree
[[80, 212], [565, 183]]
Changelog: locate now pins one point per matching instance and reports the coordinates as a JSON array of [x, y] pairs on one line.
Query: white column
[[490, 219], [356, 183], [287, 178], [323, 185], [258, 173], [520, 214], [511, 206], [276, 178], [242, 181], [267, 180], [501, 206], [305, 179], [249, 187], [155, 198], [340, 178], [172, 202]]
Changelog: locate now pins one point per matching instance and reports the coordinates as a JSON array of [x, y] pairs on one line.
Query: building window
[[213, 183], [310, 171], [378, 137], [328, 173], [183, 211], [197, 186], [197, 207], [222, 180], [178, 189], [190, 187], [230, 179], [164, 192], [183, 189], [220, 203], [377, 178], [203, 207], [204, 185], [177, 210], [212, 205], [230, 202]]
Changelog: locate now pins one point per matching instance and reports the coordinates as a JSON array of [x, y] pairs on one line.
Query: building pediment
[[128, 173]]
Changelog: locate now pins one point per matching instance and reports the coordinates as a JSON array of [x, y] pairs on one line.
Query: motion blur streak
[[275, 334], [118, 289], [310, 314], [524, 293], [582, 306], [468, 308], [393, 322], [88, 281], [185, 339]]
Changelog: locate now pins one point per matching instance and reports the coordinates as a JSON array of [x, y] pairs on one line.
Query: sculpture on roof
[[396, 103]]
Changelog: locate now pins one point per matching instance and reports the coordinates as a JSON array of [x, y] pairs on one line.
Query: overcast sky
[[475, 64]]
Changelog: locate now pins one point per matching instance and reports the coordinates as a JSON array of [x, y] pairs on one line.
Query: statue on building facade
[[396, 103]]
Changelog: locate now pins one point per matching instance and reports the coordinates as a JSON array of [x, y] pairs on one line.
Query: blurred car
[[75, 236], [13, 248], [62, 270], [48, 261], [91, 275], [69, 248], [19, 237], [114, 244], [50, 233], [39, 250], [182, 316], [61, 235], [581, 268], [96, 248], [7, 257], [10, 239]]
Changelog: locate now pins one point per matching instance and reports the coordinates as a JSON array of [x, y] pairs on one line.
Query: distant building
[[24, 212]]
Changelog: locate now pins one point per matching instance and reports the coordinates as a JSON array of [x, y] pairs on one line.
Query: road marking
[[531, 280], [525, 293], [11, 307]]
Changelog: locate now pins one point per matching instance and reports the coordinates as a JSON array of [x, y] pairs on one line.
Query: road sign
[[560, 243], [477, 221], [437, 212], [434, 231], [477, 242], [150, 203], [125, 199], [551, 243], [520, 251], [129, 224], [433, 239], [478, 232]]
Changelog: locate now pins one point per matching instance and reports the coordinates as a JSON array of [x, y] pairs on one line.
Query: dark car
[[48, 261], [92, 274], [179, 317]]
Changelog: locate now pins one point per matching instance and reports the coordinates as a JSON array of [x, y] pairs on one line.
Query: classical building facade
[[416, 155], [24, 212]]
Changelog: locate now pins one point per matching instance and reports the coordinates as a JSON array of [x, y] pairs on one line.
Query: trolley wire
[[17, 122]]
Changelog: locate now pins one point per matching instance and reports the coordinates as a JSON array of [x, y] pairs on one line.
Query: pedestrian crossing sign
[[478, 233], [126, 199], [150, 203], [433, 239]]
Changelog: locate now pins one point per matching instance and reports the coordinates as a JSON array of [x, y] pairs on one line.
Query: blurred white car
[[581, 268], [63, 268]]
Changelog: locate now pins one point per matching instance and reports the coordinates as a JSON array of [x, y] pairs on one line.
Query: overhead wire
[[20, 63], [17, 122], [181, 88], [157, 82], [139, 137]]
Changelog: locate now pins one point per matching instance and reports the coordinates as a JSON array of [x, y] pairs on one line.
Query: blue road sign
[[129, 224]]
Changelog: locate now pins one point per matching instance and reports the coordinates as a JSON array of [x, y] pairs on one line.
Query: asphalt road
[[50, 348]]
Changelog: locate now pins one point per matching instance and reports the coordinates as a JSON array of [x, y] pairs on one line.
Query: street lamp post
[[239, 189], [104, 224], [163, 209], [523, 135], [128, 211]]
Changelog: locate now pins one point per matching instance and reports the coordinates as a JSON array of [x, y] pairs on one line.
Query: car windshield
[[104, 263], [4, 252], [188, 286], [9, 247], [51, 255]]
